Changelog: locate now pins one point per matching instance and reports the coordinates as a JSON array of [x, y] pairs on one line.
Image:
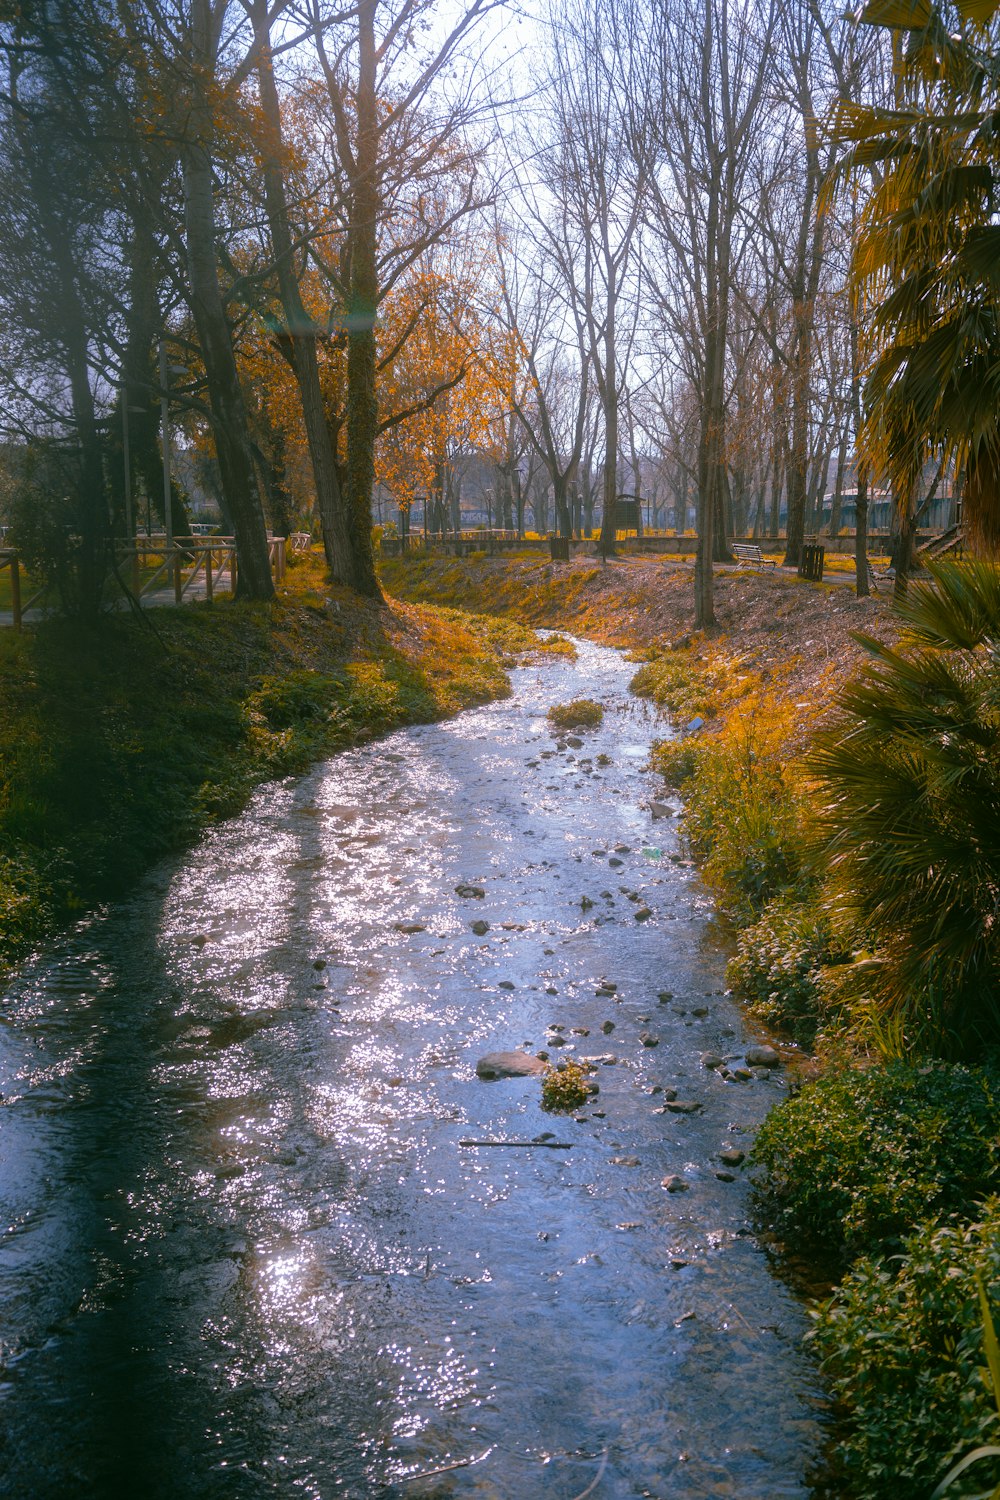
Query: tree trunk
[[838, 487], [609, 521], [560, 492], [805, 285], [862, 586], [362, 402], [301, 333], [230, 427]]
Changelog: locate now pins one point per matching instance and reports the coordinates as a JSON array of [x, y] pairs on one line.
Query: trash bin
[[559, 548], [811, 563]]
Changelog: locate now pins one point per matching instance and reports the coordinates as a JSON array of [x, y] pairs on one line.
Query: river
[[243, 1251]]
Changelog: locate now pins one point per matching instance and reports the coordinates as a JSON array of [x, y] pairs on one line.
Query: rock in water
[[470, 892], [762, 1056], [675, 1184], [480, 928], [509, 1065]]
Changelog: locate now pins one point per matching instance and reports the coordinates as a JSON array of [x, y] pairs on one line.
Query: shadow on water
[[244, 1252]]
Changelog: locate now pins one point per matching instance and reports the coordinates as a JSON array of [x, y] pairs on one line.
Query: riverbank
[[882, 1173], [120, 745]]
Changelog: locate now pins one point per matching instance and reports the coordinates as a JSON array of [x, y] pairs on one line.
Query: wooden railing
[[150, 563], [187, 560]]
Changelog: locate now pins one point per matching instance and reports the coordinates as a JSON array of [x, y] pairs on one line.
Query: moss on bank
[[117, 746]]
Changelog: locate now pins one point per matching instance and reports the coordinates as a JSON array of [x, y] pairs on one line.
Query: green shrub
[[743, 822], [678, 683], [910, 776], [676, 760], [778, 968], [746, 818], [902, 1349], [582, 713], [860, 1157]]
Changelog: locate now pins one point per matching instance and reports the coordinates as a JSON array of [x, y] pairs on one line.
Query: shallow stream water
[[242, 1250]]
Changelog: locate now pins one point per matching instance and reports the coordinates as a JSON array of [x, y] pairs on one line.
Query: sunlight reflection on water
[[246, 1255]]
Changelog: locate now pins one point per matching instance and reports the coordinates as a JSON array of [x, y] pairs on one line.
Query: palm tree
[[926, 262], [909, 776]]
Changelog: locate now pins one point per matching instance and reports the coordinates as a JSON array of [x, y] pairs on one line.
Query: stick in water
[[552, 1145]]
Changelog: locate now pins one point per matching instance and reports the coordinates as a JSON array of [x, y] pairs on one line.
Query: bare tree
[[713, 63]]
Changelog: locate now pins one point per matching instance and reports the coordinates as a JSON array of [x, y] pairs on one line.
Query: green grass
[[118, 746]]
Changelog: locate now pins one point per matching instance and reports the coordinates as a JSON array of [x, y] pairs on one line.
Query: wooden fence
[[151, 565]]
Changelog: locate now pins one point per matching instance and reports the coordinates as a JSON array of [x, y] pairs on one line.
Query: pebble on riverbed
[[480, 928], [675, 1184]]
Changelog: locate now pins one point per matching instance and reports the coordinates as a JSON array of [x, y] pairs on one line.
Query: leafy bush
[[860, 1157], [678, 683], [911, 776], [902, 1349], [677, 760], [564, 1087], [743, 820], [779, 962], [582, 713], [745, 812]]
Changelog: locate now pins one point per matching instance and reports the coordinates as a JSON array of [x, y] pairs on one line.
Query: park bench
[[748, 554]]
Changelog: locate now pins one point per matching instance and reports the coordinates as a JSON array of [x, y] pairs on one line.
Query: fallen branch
[[596, 1479], [462, 1463], [552, 1145]]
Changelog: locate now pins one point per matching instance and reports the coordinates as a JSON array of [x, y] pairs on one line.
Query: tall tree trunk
[[609, 521], [92, 517], [804, 288], [862, 584], [362, 402], [560, 493], [301, 332], [230, 427], [838, 487]]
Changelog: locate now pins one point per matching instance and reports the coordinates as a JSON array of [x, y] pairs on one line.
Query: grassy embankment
[[885, 1167], [117, 746]]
